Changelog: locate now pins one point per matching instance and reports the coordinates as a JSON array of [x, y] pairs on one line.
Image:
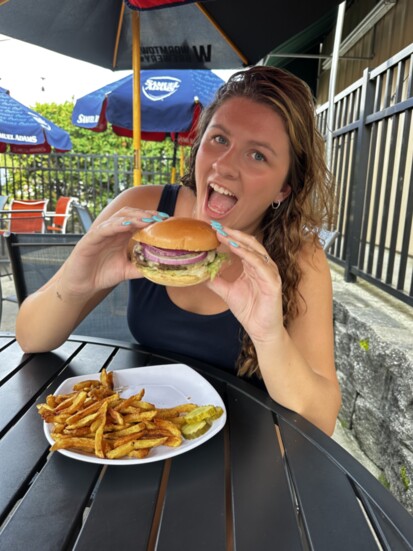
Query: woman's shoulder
[[148, 197], [312, 260], [143, 197], [315, 285]]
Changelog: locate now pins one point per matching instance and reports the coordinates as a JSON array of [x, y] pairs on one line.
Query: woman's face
[[242, 164]]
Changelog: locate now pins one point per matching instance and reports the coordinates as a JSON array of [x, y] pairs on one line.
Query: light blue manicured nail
[[216, 224], [221, 232], [148, 220], [157, 218], [126, 223], [163, 215], [233, 243]]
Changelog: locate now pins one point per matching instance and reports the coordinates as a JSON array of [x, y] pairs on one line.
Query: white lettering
[[85, 119], [160, 88], [18, 138], [153, 85]]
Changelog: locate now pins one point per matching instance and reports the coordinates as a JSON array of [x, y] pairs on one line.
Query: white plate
[[165, 386]]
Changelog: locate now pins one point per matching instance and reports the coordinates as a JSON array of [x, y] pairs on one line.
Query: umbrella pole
[[136, 66], [173, 172], [182, 161]]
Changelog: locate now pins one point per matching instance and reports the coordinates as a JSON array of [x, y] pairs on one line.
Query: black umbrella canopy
[[178, 37]]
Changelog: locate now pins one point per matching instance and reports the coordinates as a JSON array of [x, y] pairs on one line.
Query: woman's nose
[[227, 164]]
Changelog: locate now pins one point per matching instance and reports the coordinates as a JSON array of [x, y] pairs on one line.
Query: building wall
[[390, 35]]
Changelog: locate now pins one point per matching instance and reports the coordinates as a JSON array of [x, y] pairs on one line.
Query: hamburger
[[176, 252]]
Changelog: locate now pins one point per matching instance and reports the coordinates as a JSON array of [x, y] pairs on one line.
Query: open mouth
[[220, 199]]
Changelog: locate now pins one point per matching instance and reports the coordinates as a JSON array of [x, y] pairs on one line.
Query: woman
[[257, 173]]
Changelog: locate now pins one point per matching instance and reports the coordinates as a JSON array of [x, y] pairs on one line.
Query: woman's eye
[[220, 139], [258, 156]]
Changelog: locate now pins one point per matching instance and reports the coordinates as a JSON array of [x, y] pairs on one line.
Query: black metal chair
[[35, 258], [4, 259], [84, 215]]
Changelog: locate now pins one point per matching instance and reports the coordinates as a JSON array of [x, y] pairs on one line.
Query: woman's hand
[[255, 296], [99, 260]]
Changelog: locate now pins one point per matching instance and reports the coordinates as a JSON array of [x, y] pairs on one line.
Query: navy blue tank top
[[155, 321]]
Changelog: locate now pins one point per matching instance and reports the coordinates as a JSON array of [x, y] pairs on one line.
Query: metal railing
[[372, 164], [93, 179]]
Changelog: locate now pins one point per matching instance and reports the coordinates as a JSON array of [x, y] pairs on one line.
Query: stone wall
[[374, 360]]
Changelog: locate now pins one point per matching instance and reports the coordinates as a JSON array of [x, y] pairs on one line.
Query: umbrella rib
[[116, 48], [222, 33]]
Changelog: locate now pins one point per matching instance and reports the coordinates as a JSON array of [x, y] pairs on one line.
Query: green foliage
[[364, 344], [98, 143], [99, 166], [405, 477], [344, 424], [383, 480]]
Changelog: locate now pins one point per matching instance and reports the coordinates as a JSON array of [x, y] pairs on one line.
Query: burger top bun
[[179, 233]]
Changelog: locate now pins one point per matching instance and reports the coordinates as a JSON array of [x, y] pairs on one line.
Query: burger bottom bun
[[175, 278]]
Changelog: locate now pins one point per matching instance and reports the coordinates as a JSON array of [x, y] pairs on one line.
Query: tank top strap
[[168, 198]]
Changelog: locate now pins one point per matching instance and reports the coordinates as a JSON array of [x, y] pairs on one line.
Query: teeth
[[221, 190]]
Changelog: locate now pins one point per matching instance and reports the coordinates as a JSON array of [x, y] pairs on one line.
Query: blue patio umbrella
[[22, 130], [170, 104]]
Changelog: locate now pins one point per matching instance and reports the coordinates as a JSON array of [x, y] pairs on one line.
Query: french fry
[[126, 432], [167, 425], [139, 454], [84, 421], [87, 385], [129, 401], [120, 451], [175, 411], [83, 431], [128, 438], [173, 441], [148, 442], [116, 417], [101, 420], [138, 417], [95, 419], [85, 444]]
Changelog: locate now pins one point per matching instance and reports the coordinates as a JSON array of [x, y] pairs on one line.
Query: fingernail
[[233, 243], [221, 232], [157, 218], [163, 215], [126, 223], [216, 224], [148, 220]]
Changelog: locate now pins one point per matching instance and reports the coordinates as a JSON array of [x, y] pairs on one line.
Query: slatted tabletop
[[250, 487]]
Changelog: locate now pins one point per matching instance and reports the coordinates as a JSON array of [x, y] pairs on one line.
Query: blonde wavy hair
[[308, 207]]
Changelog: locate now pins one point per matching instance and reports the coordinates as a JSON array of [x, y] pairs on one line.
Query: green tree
[[88, 142]]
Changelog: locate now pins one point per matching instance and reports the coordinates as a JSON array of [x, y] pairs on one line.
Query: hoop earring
[[275, 205]]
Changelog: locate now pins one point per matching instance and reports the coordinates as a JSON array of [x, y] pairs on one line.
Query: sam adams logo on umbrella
[[159, 88]]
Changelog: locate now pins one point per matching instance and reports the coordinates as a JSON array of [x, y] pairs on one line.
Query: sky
[[36, 75]]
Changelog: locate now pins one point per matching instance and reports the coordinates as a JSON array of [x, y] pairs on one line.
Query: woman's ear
[[283, 193]]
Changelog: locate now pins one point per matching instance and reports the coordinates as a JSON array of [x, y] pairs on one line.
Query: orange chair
[[61, 216], [26, 216]]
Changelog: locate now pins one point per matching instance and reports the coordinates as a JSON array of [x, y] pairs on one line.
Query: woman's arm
[[304, 379], [297, 363], [97, 264]]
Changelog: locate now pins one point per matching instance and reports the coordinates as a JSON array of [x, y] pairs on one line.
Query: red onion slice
[[180, 258]]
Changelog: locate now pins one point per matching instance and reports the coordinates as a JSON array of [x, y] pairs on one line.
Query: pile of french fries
[[95, 419]]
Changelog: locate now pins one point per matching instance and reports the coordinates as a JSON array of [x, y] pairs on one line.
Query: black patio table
[[250, 487]]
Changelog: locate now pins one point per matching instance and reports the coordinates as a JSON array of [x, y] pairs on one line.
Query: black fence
[[93, 179], [372, 162]]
